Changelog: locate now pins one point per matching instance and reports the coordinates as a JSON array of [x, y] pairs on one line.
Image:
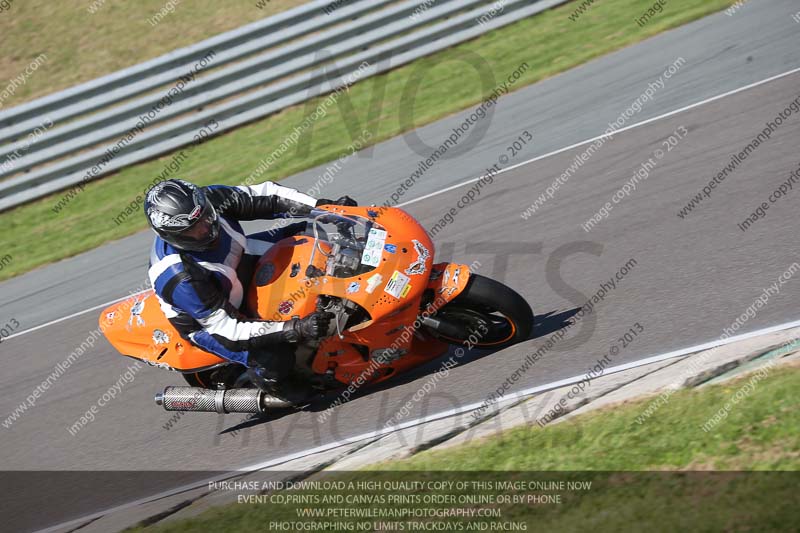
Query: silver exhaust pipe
[[218, 401]]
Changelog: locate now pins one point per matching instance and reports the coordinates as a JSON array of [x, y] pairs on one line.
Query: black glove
[[312, 327], [344, 200]]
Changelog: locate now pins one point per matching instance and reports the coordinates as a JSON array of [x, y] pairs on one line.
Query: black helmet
[[179, 213]]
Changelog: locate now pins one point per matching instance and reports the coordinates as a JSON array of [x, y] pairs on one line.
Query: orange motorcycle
[[373, 269]]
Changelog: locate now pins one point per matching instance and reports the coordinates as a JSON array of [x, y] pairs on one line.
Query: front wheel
[[487, 314]]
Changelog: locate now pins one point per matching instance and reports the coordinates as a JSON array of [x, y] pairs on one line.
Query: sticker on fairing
[[451, 286], [405, 291], [418, 267], [373, 251], [160, 337], [396, 284], [285, 307], [373, 282], [353, 287], [136, 313]]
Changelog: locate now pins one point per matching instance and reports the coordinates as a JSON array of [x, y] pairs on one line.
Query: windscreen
[[351, 244]]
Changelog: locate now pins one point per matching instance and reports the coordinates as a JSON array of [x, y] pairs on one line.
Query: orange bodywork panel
[[138, 328]]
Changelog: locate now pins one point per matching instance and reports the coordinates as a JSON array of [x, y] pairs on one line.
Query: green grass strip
[[639, 473]]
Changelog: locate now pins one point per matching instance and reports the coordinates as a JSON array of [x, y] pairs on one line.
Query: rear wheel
[[487, 314]]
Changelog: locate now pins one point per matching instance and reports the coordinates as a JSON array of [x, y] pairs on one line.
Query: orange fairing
[[283, 289], [390, 293], [138, 328]]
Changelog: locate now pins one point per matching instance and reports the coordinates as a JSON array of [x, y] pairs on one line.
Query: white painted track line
[[611, 135]]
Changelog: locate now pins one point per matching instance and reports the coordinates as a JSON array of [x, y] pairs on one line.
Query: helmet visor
[[202, 233]]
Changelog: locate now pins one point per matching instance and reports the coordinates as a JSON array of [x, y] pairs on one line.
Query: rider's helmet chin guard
[[180, 213]]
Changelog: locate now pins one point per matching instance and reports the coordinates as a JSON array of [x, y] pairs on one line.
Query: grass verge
[[549, 43], [610, 450], [85, 39]]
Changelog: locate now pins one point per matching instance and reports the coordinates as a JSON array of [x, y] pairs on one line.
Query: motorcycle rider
[[200, 258]]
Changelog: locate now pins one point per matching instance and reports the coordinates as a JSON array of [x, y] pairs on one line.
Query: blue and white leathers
[[201, 293]]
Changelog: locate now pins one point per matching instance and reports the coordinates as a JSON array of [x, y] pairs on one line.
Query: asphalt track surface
[[693, 277]]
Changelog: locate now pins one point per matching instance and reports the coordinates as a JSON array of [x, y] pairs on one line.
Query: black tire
[[505, 315]]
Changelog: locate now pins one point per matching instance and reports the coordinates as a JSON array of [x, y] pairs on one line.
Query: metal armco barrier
[[229, 80]]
